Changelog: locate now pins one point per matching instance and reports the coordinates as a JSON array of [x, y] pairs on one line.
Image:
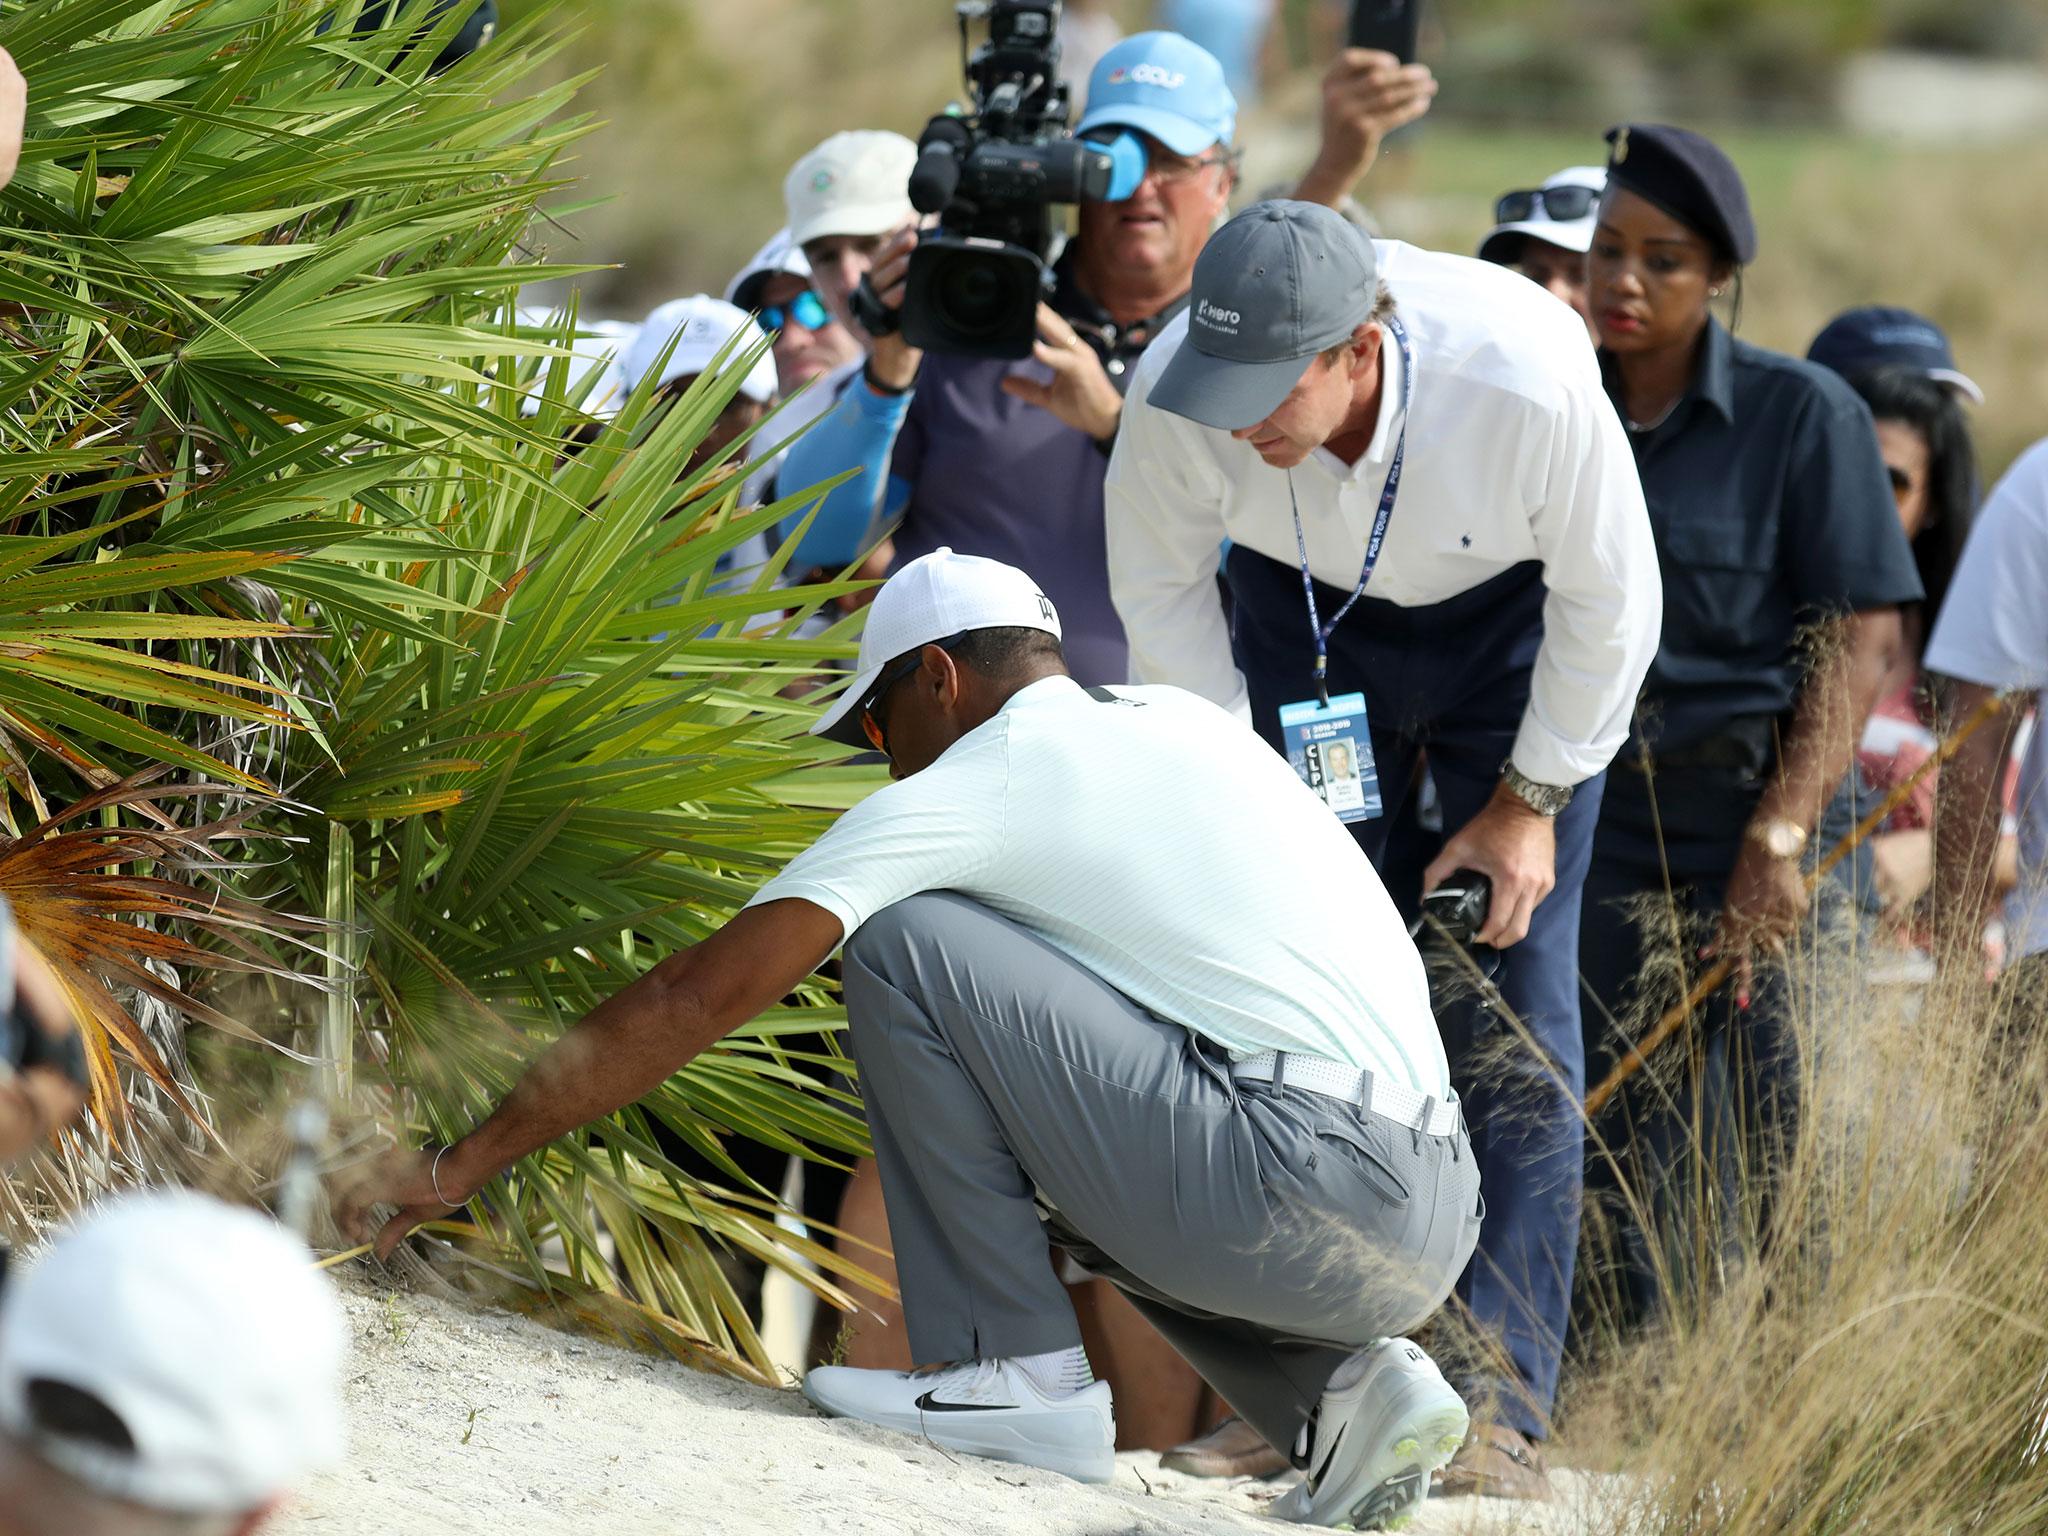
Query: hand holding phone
[[1386, 26], [1366, 96]]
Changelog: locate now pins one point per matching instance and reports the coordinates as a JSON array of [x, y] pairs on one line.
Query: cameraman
[[1005, 459]]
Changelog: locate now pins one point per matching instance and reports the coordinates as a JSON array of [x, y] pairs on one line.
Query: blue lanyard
[[1374, 540]]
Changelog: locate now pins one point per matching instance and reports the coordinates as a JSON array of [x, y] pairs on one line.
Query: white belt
[[1404, 1106]]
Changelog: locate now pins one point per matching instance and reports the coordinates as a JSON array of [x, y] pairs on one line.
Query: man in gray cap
[[1318, 381]]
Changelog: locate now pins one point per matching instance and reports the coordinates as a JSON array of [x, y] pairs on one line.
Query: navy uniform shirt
[[991, 475], [1771, 509]]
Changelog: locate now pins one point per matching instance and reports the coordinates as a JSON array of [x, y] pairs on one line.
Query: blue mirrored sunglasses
[[806, 309]]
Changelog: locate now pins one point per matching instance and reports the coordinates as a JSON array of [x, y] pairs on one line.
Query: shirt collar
[[1044, 691], [1713, 377], [1386, 424], [1714, 382]]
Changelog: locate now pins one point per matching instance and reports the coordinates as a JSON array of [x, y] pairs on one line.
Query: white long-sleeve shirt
[[1514, 453]]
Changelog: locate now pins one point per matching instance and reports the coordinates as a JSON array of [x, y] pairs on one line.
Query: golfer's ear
[[945, 670]]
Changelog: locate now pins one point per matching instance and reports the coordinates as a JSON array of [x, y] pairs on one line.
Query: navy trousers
[[1452, 680], [1678, 1178]]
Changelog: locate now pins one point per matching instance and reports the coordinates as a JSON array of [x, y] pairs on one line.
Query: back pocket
[[1356, 1152]]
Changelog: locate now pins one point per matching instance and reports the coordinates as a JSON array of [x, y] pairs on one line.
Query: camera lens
[[978, 295]]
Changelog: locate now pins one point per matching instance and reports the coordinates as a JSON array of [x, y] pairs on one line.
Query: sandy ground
[[473, 1423]]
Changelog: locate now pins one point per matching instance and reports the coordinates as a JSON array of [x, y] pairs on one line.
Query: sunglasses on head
[[806, 309], [1561, 203], [870, 725]]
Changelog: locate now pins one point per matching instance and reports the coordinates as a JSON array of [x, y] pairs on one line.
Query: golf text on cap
[[1148, 74], [1219, 319]]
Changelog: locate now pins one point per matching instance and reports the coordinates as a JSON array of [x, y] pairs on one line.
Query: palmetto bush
[[343, 721]]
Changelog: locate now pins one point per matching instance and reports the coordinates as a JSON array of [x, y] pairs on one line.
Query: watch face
[[1783, 840]]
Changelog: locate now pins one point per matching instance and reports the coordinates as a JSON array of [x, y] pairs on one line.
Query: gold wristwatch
[[1782, 838]]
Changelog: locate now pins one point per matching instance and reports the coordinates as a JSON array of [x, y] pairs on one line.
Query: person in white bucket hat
[[1117, 983], [170, 1367]]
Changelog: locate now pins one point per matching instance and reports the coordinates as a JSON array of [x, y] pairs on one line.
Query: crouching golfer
[[1119, 982]]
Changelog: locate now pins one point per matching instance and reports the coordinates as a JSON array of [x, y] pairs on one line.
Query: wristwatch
[[1781, 837], [1543, 799]]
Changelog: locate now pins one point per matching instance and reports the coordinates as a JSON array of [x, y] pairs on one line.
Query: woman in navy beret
[[1785, 567]]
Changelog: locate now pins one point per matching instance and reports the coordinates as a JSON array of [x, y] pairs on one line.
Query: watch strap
[[1543, 799]]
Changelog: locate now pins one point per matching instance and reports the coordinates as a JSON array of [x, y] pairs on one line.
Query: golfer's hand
[[401, 1178], [13, 113], [892, 360], [1514, 848], [1080, 393], [1767, 899], [1366, 96]]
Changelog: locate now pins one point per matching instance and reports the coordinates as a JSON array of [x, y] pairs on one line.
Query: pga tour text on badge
[[1330, 748]]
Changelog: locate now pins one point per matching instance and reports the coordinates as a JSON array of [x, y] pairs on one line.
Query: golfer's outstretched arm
[[621, 1050]]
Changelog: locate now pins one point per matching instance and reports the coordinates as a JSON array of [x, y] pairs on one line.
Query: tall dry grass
[[1873, 1356]]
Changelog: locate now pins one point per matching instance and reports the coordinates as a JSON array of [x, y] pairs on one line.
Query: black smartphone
[[1387, 25]]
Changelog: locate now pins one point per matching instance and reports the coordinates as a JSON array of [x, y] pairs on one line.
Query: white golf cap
[[204, 1329], [597, 348], [781, 256], [701, 326], [1572, 234], [935, 597], [855, 183]]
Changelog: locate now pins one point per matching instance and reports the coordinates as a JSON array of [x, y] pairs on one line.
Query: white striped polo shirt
[[1170, 851]]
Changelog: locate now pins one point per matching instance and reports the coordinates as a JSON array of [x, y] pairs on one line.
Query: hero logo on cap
[[1217, 318], [1148, 74]]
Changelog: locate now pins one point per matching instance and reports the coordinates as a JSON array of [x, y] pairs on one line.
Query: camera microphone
[[936, 176]]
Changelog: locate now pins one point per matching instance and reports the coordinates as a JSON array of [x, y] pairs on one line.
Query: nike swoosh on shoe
[[931, 1404]]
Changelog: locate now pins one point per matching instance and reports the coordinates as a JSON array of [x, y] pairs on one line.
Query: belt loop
[[1365, 1089], [1421, 1126], [1279, 1070]]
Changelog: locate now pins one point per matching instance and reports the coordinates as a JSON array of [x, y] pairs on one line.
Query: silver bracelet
[[434, 1174]]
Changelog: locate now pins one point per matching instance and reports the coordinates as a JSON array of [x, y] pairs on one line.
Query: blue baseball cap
[[1858, 340], [1162, 84]]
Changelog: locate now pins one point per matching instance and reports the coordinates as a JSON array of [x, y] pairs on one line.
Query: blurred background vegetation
[[1895, 149]]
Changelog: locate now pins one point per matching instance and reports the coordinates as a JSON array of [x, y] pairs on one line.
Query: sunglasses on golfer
[[1560, 203], [806, 309], [870, 723]]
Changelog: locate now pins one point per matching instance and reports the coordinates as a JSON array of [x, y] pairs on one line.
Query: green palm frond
[[309, 616]]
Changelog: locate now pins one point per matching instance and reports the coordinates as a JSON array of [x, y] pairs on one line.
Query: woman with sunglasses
[[1772, 516]]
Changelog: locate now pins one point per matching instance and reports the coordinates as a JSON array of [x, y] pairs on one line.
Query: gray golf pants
[[1267, 1233]]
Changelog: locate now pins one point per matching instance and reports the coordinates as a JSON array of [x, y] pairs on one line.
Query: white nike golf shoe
[[983, 1407], [1387, 1420]]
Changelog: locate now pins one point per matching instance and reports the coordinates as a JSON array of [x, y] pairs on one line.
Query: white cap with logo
[[935, 597], [701, 326], [204, 1329], [855, 183]]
